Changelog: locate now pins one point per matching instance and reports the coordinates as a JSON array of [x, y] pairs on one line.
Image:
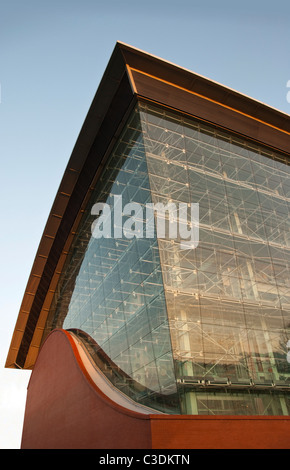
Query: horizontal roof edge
[[194, 82]]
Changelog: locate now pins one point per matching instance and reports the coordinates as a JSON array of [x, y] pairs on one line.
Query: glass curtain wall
[[228, 300], [193, 331]]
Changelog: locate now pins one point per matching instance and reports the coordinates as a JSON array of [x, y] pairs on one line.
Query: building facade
[[197, 330]]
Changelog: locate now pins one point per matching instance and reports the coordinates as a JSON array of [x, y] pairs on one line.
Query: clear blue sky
[[52, 57]]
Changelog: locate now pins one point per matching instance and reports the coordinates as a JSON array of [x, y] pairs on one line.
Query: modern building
[[136, 338]]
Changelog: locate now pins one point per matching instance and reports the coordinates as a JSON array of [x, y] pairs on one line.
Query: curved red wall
[[65, 410]]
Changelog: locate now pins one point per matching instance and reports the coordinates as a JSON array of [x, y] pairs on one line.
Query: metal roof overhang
[[131, 74]]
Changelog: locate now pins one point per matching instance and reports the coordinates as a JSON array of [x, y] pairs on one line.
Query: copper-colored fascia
[[131, 74]]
